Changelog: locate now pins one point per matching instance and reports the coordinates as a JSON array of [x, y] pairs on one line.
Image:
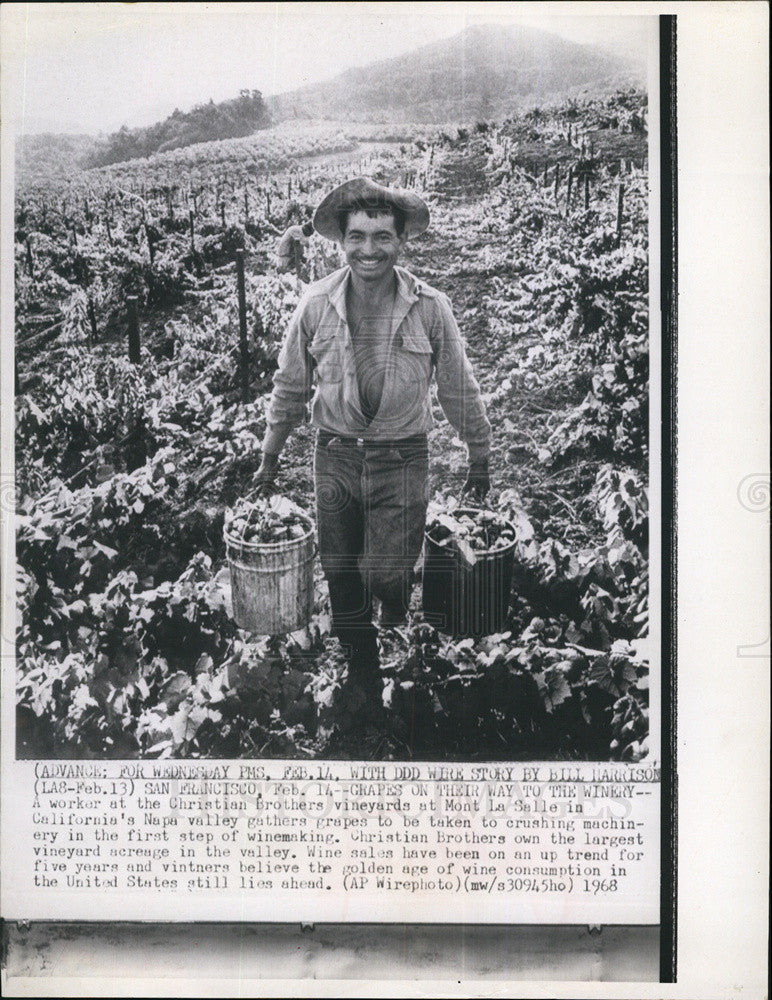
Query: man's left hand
[[478, 479], [265, 477]]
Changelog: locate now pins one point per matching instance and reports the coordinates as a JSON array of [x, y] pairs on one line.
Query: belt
[[325, 437]]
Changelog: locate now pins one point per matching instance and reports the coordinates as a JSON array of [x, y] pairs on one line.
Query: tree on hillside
[[208, 122]]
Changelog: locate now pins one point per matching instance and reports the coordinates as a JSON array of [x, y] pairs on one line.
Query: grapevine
[[128, 474]]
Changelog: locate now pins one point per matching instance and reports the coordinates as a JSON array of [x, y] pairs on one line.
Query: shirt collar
[[407, 294]]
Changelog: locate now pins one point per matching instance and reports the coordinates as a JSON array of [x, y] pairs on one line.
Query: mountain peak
[[485, 71]]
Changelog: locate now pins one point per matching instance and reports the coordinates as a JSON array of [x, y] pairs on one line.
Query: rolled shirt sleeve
[[457, 388], [291, 385]]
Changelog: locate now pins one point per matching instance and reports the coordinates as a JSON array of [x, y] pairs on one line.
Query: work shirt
[[424, 340]]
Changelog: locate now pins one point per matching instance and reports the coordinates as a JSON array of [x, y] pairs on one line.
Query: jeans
[[371, 511]]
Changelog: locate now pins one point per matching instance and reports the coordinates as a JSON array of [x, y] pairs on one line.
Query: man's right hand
[[478, 479], [265, 477]]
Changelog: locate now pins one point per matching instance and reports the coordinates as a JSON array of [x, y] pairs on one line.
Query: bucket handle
[[250, 498], [466, 500]]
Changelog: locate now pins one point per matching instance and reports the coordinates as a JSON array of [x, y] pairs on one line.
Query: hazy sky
[[96, 66]]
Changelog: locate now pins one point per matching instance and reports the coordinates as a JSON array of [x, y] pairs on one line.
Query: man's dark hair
[[372, 207]]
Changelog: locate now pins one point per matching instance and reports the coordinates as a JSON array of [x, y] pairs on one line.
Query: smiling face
[[371, 245]]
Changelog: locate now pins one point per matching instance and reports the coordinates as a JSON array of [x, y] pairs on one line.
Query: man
[[285, 251], [374, 334]]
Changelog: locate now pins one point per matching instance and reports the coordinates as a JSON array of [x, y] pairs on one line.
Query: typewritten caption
[[548, 840]]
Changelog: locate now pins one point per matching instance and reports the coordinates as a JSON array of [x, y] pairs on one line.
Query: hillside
[[39, 158], [243, 115], [487, 71]]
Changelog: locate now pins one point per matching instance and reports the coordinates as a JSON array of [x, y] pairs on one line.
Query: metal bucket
[[272, 583], [460, 599]]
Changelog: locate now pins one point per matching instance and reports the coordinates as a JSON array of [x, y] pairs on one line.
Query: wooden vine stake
[[192, 231], [134, 342], [30, 260], [569, 188], [586, 191], [620, 210], [150, 246], [243, 345], [92, 321]]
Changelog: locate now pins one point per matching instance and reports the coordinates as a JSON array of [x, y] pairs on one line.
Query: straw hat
[[360, 189]]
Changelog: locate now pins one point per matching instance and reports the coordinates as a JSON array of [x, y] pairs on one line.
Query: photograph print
[[331, 371]]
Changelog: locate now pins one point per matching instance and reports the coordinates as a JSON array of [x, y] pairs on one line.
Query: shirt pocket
[[414, 355], [327, 353]]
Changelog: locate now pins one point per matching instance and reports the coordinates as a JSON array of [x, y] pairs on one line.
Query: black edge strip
[[669, 299]]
